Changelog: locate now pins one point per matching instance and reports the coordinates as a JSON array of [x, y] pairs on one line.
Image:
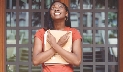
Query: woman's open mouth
[[57, 13]]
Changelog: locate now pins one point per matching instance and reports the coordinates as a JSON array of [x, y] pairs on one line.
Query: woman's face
[[58, 11]]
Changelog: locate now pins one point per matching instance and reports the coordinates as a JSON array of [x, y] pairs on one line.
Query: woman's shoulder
[[72, 29], [40, 33], [41, 30]]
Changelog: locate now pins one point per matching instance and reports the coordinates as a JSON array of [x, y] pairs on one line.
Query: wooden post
[[2, 37], [120, 33], [66, 2]]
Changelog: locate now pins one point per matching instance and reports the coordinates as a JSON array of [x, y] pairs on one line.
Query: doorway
[[97, 22]]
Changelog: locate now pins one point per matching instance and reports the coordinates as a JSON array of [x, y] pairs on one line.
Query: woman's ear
[[67, 14]]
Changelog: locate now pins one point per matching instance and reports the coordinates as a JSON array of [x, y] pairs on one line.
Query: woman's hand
[[63, 40], [50, 38]]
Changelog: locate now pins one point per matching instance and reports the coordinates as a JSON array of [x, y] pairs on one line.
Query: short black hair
[[48, 22]]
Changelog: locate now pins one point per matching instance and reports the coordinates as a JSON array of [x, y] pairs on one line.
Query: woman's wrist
[[53, 44], [53, 50], [59, 44]]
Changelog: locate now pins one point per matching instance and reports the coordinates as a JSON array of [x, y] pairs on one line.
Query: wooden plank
[[120, 33], [2, 23]]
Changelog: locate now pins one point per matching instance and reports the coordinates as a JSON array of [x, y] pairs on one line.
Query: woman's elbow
[[35, 63], [77, 63]]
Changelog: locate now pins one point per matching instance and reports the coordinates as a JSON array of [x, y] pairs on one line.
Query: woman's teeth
[[57, 13]]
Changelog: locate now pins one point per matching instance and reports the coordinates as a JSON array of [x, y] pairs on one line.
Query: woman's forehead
[[57, 3]]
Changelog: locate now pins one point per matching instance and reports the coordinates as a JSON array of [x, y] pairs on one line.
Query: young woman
[[58, 18]]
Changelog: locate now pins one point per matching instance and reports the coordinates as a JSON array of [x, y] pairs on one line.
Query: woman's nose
[[56, 9]]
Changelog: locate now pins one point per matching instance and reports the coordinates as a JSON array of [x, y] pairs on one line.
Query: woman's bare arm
[[74, 57], [39, 56]]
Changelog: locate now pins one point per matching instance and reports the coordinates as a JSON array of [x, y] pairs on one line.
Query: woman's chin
[[55, 19]]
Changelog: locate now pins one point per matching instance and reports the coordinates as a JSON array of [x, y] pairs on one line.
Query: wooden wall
[[120, 33], [2, 37]]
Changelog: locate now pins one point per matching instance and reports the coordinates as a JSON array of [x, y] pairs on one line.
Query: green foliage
[[87, 39], [112, 36]]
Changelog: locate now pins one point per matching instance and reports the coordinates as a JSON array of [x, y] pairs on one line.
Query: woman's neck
[[59, 25]]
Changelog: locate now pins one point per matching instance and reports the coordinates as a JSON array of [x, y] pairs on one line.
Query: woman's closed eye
[[60, 6]]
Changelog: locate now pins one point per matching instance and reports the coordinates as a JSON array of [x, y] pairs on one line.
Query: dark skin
[[58, 14]]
